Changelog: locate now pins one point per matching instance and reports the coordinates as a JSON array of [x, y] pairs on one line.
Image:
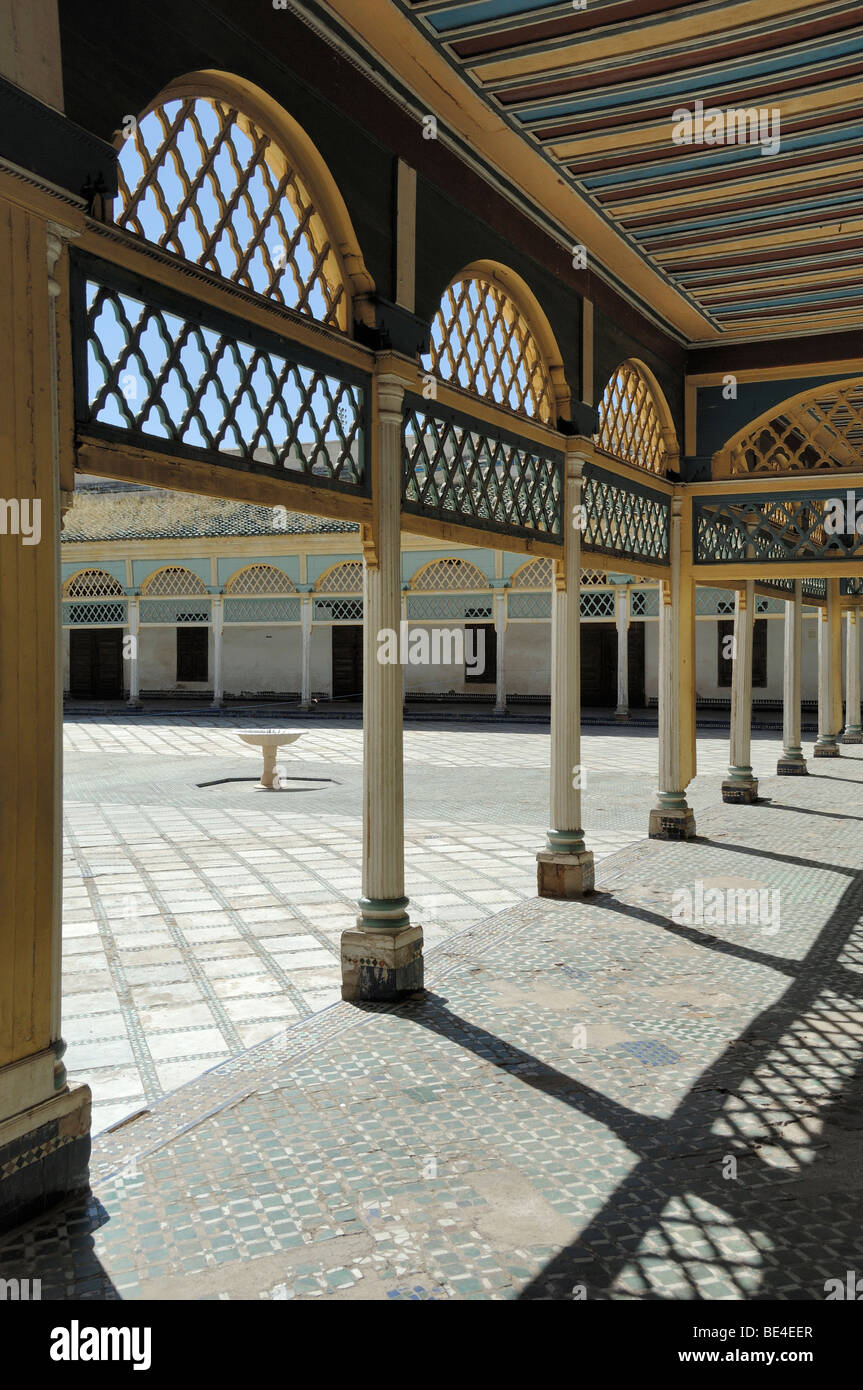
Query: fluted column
[[134, 624], [672, 818], [741, 785], [621, 619], [792, 762], [853, 727], [829, 674], [500, 633], [218, 630], [306, 611], [565, 868], [382, 958]]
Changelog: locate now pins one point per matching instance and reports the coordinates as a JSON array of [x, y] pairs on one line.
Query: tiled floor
[[200, 913], [592, 1100]]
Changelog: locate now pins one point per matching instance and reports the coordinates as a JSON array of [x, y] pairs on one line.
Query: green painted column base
[[671, 818], [853, 734], [827, 748]]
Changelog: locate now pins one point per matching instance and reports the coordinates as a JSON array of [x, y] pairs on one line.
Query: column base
[[382, 965], [561, 875], [621, 715], [853, 734], [792, 765], [134, 704], [44, 1156], [740, 790], [827, 749], [671, 820]]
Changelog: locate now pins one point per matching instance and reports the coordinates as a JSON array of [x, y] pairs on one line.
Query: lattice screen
[[453, 607], [93, 584], [87, 614], [260, 579], [338, 610], [536, 574], [523, 606], [345, 578], [152, 372], [450, 573], [173, 581], [201, 180], [823, 431], [481, 341], [629, 426]]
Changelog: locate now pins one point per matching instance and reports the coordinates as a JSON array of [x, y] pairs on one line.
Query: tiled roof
[[110, 513]]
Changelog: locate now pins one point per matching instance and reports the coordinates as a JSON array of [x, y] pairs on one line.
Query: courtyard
[[202, 915], [592, 1100]]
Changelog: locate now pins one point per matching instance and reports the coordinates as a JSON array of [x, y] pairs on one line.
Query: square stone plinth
[[671, 823], [382, 965], [789, 767], [44, 1155], [827, 750], [740, 792], [564, 875]]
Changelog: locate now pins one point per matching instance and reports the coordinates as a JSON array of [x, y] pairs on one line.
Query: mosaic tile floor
[[592, 1100], [201, 914]]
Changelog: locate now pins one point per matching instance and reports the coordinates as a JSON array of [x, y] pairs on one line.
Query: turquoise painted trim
[[116, 569], [229, 565], [142, 569]]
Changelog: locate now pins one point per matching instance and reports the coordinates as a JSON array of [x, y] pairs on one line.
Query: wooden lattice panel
[[823, 431], [260, 579], [201, 180], [93, 584], [449, 574], [481, 341], [629, 424], [174, 581], [536, 574], [345, 578]]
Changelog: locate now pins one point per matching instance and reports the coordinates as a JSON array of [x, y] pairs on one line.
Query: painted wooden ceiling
[[762, 240]]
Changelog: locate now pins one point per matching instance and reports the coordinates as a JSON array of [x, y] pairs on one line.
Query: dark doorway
[[193, 651], [488, 646], [635, 650], [96, 663], [598, 665], [347, 662]]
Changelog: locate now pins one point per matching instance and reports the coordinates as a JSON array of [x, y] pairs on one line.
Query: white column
[[621, 618], [671, 818], [740, 784], [306, 611], [382, 958], [500, 631], [134, 700], [853, 726], [565, 868], [218, 624], [829, 674], [792, 762]]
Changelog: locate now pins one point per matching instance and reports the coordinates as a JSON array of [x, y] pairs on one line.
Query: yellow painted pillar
[[44, 1125]]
